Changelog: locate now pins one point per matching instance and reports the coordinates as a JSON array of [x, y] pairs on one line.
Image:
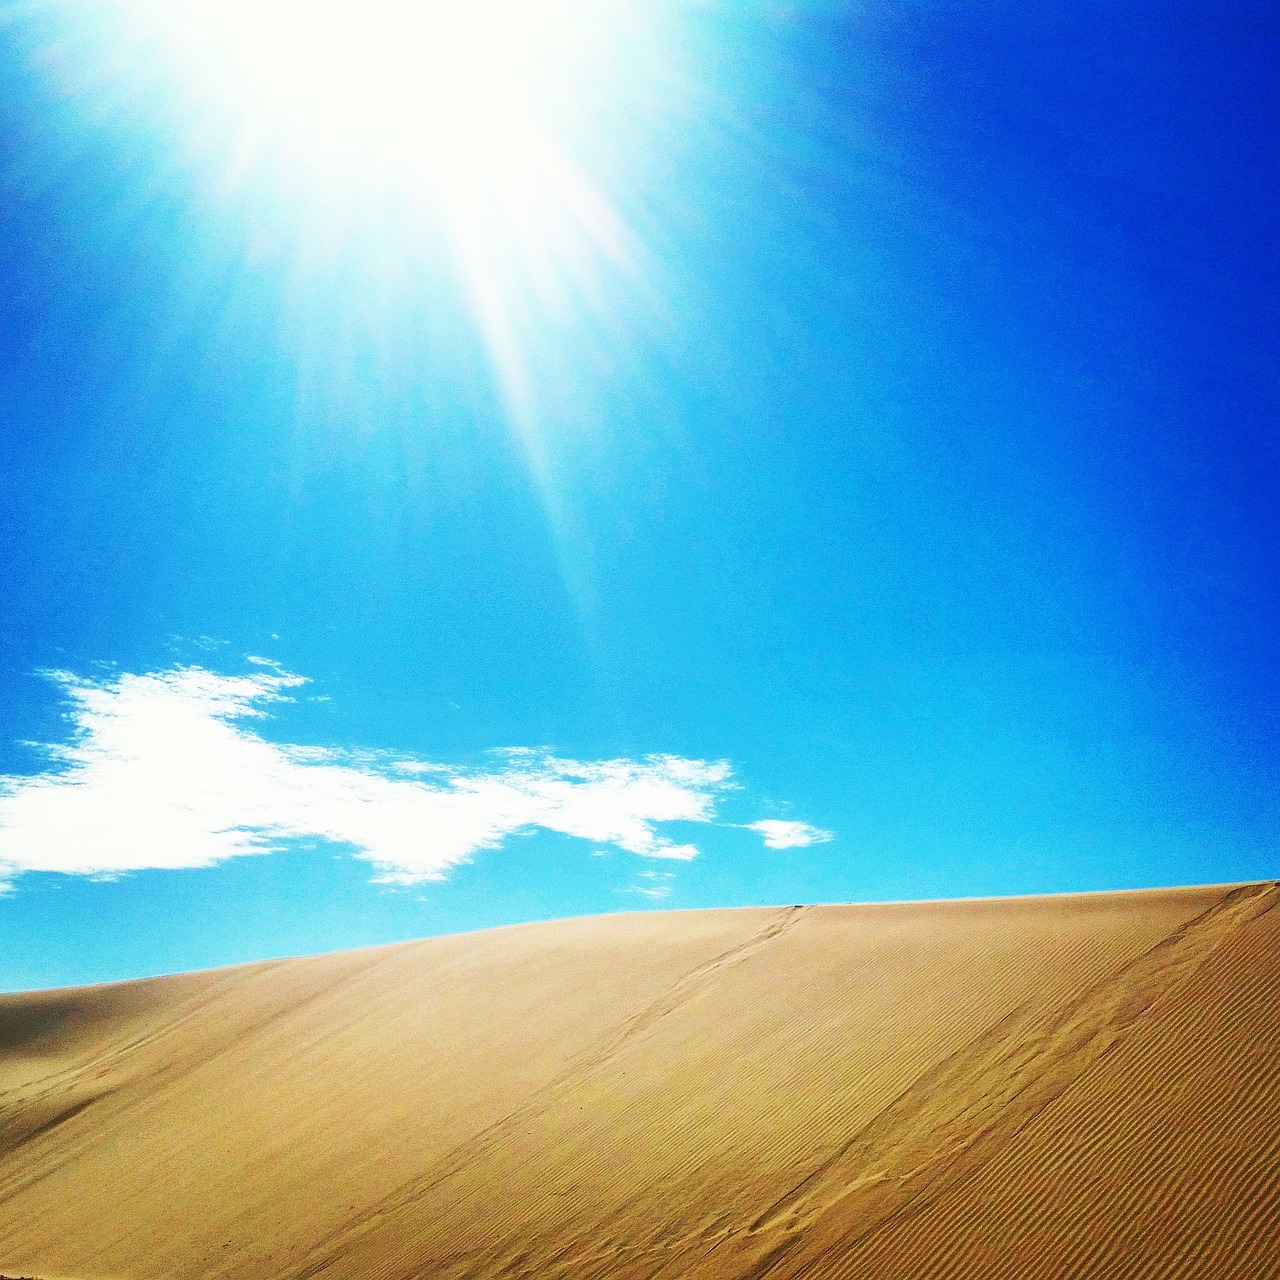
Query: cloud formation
[[788, 835], [653, 884], [165, 770]]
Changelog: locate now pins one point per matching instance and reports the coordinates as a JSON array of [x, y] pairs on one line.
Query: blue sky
[[860, 418]]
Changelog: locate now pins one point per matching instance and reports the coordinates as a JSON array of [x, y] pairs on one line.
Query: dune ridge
[[1045, 1087]]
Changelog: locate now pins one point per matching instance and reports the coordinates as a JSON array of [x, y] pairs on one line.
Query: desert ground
[[1068, 1086]]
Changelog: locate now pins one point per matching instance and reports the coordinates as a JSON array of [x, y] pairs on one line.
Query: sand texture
[[1077, 1086]]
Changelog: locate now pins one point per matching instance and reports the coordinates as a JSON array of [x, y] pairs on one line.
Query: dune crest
[[1052, 1087]]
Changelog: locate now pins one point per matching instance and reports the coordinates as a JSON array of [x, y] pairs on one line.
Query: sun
[[461, 117], [415, 194], [437, 96]]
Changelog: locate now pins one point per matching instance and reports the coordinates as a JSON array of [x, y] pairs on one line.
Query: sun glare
[[428, 92], [461, 117]]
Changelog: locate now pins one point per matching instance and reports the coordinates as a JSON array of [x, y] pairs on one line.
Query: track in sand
[[1021, 1088]]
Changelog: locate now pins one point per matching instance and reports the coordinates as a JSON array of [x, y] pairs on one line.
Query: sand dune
[[1078, 1086]]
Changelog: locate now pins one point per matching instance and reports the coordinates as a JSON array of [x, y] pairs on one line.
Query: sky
[[469, 465]]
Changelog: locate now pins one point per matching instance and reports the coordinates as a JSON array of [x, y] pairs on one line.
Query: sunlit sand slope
[[1084, 1086]]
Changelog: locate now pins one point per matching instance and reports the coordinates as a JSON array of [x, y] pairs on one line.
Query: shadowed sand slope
[[1077, 1086]]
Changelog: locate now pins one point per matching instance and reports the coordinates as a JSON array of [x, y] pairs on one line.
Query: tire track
[[494, 1135], [937, 1132]]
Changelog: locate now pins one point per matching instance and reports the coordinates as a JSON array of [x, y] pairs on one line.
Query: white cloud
[[657, 884], [789, 835], [162, 770]]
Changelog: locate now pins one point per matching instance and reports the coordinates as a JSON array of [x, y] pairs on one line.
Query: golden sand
[[1023, 1088]]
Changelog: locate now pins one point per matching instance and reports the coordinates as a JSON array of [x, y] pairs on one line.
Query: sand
[[1071, 1086]]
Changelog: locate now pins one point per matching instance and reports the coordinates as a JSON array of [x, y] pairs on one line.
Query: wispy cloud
[[788, 835], [166, 770], [653, 884]]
